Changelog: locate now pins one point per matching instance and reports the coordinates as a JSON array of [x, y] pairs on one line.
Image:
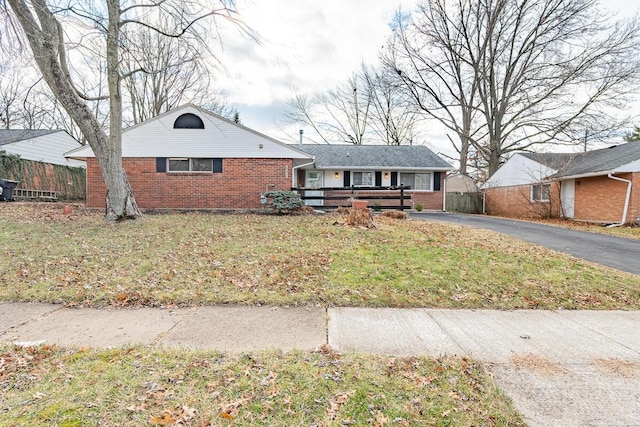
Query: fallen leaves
[[230, 410], [180, 416], [538, 364], [623, 368], [336, 402]]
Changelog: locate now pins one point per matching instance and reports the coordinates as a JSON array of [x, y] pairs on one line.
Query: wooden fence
[[472, 203]]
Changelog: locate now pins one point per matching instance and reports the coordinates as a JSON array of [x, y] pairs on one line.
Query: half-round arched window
[[188, 121]]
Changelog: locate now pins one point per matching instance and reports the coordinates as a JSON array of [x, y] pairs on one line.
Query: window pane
[[408, 179], [363, 179], [422, 181], [535, 193], [179, 165], [546, 189], [202, 165], [540, 192]]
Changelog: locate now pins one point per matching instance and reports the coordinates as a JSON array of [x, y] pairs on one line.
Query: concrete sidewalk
[[561, 368]]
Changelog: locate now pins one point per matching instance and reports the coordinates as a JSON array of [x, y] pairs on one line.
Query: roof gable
[[399, 157], [218, 137]]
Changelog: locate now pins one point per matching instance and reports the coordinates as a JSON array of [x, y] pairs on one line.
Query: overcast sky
[[310, 45]]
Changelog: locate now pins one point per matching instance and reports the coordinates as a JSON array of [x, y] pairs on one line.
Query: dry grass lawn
[[195, 259]]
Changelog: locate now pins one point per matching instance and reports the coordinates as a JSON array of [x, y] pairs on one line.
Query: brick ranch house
[[381, 166], [190, 158], [601, 186]]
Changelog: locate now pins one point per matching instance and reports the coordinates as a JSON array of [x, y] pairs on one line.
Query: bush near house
[[284, 201]]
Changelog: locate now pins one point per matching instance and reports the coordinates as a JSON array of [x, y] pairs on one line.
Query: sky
[[311, 45], [305, 46]]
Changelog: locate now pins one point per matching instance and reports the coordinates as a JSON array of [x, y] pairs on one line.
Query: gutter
[[626, 201]]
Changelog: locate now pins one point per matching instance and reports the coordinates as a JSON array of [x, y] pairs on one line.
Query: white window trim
[[190, 165], [541, 185], [431, 180]]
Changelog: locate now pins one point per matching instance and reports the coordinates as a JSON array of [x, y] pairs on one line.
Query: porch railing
[[378, 197]]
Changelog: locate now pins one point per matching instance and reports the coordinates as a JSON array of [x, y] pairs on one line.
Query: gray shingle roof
[[553, 160], [9, 136], [340, 156], [590, 162], [602, 160]]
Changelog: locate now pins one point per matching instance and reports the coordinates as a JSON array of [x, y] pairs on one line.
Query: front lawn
[[195, 259]]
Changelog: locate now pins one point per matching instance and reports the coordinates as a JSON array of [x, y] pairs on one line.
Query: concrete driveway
[[622, 254]]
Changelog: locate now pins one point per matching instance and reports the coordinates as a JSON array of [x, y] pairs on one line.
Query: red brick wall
[[597, 199], [601, 199], [238, 186], [634, 209], [515, 201]]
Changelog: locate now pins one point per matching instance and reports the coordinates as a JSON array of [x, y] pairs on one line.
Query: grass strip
[[43, 386]]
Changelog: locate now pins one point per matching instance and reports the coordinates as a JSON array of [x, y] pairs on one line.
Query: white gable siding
[[629, 167], [49, 148], [518, 170], [219, 138]]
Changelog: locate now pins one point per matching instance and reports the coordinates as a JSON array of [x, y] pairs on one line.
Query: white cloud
[[312, 45]]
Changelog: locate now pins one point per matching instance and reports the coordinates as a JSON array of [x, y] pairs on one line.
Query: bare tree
[[341, 114], [368, 107], [423, 53], [162, 73], [524, 73], [10, 95], [43, 25], [393, 116]]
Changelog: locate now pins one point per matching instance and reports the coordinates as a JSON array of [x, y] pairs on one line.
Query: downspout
[[626, 201], [294, 177]]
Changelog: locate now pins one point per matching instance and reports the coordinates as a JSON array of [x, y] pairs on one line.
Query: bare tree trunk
[[46, 41]]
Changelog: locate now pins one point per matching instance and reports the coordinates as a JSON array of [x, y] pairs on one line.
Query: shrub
[[418, 207], [376, 207], [284, 201]]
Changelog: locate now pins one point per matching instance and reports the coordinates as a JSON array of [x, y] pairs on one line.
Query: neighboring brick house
[[600, 186], [386, 166], [190, 158]]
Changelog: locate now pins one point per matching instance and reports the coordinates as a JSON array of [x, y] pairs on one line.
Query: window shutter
[[347, 179], [378, 179], [436, 181], [394, 178], [217, 165], [161, 164]]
